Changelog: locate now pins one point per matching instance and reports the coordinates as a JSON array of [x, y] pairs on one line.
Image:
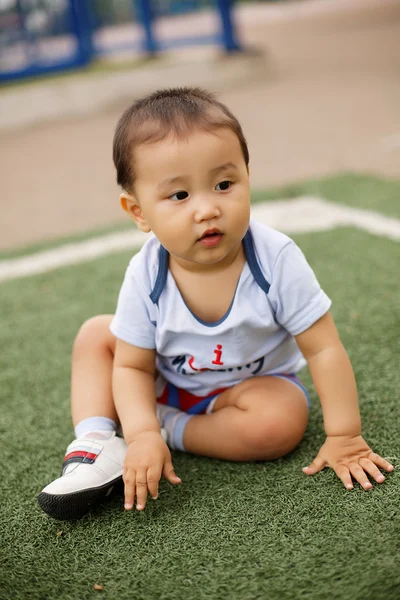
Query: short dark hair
[[174, 110]]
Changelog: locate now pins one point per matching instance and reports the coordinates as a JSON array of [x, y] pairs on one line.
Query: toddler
[[216, 315]]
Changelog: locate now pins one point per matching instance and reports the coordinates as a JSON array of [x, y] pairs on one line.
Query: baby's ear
[[130, 205]]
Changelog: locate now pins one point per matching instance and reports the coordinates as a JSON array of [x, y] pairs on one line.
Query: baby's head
[[182, 162]]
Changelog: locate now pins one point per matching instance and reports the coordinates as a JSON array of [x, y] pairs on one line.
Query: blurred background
[[314, 83]]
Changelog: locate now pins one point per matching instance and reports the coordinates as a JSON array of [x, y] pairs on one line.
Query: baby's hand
[[147, 459], [349, 456]]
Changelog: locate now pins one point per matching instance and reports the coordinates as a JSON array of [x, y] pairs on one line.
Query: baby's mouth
[[211, 233], [211, 238]]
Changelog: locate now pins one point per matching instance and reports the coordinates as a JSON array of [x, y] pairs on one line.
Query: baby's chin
[[209, 259]]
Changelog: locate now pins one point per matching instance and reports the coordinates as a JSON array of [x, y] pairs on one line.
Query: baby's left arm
[[344, 450]]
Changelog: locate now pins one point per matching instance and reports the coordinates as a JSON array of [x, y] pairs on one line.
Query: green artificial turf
[[230, 531], [359, 190], [124, 225]]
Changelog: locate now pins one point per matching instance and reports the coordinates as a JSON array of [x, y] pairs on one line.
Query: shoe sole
[[67, 507]]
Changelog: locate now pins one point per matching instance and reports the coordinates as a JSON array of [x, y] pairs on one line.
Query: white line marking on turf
[[301, 215], [308, 213], [70, 254]]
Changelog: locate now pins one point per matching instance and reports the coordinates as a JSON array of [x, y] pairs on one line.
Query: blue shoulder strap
[[251, 258], [248, 244], [161, 275]]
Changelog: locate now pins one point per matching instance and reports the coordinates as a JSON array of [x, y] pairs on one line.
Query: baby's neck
[[208, 293]]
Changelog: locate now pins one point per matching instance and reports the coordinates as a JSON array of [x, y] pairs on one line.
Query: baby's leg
[[93, 463], [261, 418], [92, 363]]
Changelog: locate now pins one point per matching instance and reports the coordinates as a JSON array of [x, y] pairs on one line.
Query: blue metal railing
[[44, 40], [45, 36]]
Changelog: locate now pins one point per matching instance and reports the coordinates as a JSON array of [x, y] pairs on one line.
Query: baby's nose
[[205, 209]]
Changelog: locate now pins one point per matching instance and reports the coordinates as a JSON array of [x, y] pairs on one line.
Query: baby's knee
[[271, 436], [95, 334]]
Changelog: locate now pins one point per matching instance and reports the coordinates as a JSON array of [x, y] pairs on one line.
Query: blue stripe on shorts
[[202, 405]]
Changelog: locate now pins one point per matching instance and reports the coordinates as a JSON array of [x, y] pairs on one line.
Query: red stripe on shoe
[[82, 454]]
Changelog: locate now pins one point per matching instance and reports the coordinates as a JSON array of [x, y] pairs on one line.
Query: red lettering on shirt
[[218, 354]]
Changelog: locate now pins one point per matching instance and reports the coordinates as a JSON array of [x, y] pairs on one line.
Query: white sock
[[97, 435], [174, 422], [163, 411], [98, 428]]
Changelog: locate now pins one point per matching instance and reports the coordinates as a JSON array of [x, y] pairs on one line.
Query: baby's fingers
[[141, 489], [153, 478], [170, 474], [381, 462], [129, 491], [372, 470], [344, 474], [358, 473], [317, 465]]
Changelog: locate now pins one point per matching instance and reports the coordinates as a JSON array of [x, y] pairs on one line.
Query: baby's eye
[[182, 195], [223, 186]]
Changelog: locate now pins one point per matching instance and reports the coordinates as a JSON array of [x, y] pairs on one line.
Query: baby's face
[[189, 187]]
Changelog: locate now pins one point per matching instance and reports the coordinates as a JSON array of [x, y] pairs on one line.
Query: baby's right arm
[[134, 389], [148, 456]]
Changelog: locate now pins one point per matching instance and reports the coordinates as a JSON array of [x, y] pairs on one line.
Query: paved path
[[327, 100]]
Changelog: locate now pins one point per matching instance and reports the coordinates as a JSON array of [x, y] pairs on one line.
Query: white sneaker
[[91, 469]]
